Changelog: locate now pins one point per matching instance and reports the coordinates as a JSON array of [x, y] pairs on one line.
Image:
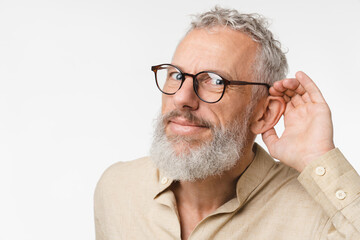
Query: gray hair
[[270, 64]]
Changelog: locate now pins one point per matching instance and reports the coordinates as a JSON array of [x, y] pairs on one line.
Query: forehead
[[218, 49]]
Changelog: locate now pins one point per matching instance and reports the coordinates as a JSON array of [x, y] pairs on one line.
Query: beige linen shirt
[[133, 201]]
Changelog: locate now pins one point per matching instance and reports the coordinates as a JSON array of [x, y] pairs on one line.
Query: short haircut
[[270, 64]]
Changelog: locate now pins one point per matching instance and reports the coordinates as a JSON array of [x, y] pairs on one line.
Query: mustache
[[188, 116]]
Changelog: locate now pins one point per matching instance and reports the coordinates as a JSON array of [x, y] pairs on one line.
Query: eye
[[217, 81], [176, 75], [212, 79]]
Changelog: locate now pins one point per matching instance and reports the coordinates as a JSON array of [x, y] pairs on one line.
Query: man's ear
[[267, 114]]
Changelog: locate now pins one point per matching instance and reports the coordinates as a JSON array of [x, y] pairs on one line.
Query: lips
[[182, 126], [184, 122]]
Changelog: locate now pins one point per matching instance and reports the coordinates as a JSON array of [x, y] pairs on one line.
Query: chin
[[185, 144]]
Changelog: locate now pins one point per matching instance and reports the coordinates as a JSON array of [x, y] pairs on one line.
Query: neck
[[203, 197]]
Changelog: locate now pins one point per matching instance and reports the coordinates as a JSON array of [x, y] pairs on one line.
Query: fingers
[[310, 87], [306, 98], [289, 107], [278, 89], [297, 100], [297, 90], [288, 87]]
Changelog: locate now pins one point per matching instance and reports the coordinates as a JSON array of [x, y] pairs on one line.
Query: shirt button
[[340, 195], [320, 171], [164, 180]]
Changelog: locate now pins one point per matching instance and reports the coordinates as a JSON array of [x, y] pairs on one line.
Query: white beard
[[211, 158]]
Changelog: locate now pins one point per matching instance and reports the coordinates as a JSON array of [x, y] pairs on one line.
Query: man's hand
[[308, 130]]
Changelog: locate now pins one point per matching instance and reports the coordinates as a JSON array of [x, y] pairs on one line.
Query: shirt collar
[[245, 187], [254, 175], [161, 182]]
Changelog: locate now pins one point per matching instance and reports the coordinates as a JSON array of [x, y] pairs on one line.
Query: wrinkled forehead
[[216, 49]]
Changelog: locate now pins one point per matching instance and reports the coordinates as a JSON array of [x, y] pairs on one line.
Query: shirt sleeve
[[335, 185], [98, 212]]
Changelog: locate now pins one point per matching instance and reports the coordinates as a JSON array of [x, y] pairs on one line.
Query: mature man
[[206, 178]]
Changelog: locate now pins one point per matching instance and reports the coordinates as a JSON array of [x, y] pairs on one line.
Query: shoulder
[[127, 169], [286, 191], [280, 181], [274, 174], [286, 178], [123, 192], [282, 196], [127, 176], [284, 173]]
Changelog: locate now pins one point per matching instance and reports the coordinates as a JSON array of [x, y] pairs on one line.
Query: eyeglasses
[[208, 86]]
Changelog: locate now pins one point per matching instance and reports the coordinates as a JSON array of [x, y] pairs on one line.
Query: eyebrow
[[222, 74], [218, 72]]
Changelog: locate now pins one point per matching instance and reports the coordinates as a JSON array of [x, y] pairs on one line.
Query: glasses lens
[[168, 79], [210, 86]]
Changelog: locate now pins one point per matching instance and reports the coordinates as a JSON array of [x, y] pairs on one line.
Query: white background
[[77, 93]]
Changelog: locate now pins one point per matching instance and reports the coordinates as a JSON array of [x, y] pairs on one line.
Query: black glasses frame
[[196, 83]]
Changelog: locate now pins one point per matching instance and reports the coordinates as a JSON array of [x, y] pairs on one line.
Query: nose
[[185, 97]]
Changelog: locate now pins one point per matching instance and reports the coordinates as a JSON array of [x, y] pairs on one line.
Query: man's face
[[229, 53]]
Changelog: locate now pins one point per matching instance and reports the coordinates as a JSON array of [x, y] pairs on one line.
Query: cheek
[[229, 115], [215, 114], [165, 104], [235, 105]]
